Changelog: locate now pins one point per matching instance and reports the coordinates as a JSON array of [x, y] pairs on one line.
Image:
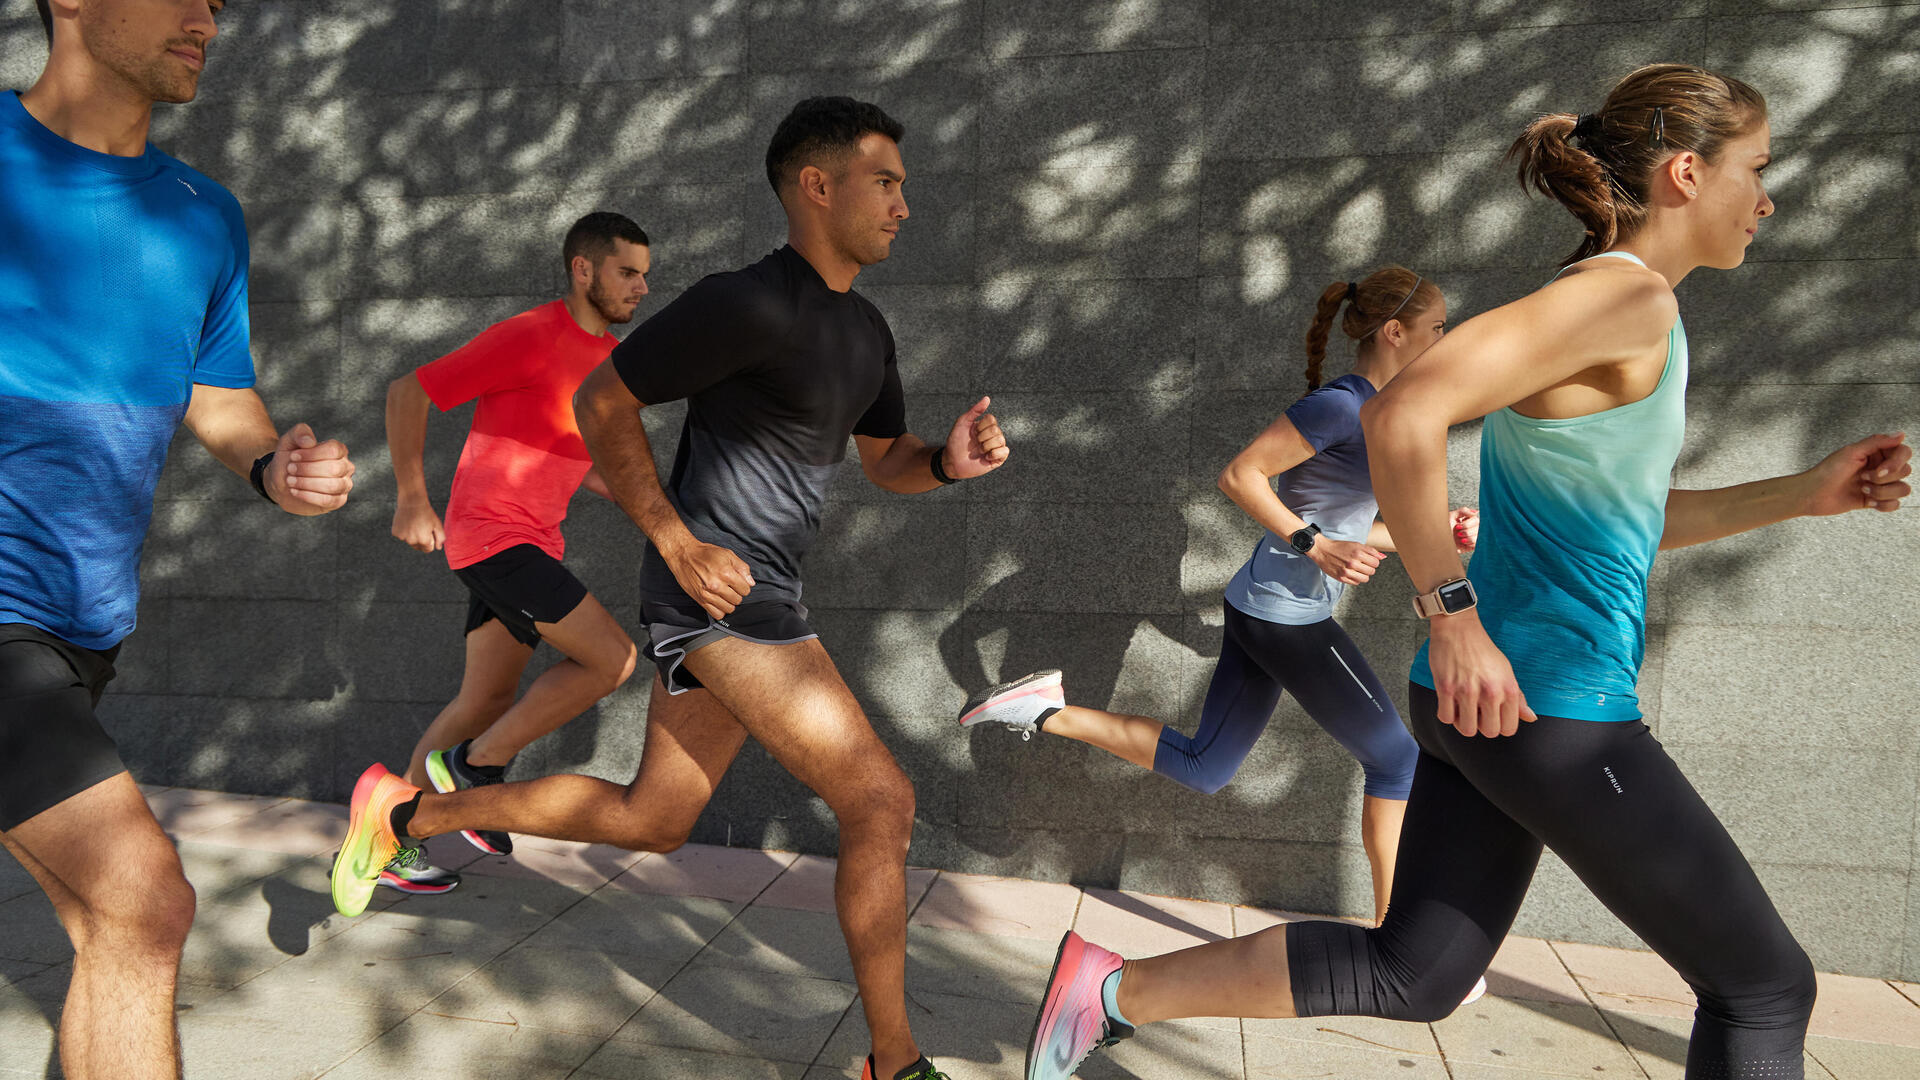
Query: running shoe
[[449, 771], [1020, 704], [1479, 991], [1073, 1020], [919, 1070], [370, 844], [410, 872]]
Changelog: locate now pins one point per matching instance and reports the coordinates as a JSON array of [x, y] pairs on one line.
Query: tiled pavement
[[572, 961]]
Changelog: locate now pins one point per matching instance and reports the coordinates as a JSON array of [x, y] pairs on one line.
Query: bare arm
[[1866, 475], [414, 519], [904, 464], [306, 476], [407, 409], [1466, 531], [1247, 480], [595, 483], [609, 418]]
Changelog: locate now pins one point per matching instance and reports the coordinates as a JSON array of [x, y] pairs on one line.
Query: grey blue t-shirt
[[777, 369], [1331, 489]]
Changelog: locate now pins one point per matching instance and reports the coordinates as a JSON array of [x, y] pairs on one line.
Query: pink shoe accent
[[1049, 688], [1073, 1018]]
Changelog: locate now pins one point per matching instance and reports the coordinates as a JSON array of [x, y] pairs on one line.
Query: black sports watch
[[1302, 541]]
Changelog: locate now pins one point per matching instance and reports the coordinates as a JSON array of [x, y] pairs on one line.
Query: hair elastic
[[1585, 127], [1417, 279], [1353, 290]]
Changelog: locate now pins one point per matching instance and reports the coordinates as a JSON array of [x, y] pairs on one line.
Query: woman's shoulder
[[1621, 289]]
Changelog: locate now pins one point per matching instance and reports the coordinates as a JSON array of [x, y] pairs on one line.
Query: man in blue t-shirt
[[123, 312]]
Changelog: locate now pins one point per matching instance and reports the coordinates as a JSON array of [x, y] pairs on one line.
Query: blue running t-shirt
[[1331, 489], [1571, 514], [123, 282]]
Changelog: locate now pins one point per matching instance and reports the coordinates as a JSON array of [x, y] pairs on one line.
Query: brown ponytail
[[1601, 166], [1384, 295], [1323, 314]]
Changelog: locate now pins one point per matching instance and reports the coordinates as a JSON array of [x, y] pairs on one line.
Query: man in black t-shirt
[[780, 362]]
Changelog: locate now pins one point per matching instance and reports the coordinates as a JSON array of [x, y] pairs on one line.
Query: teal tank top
[[1571, 513]]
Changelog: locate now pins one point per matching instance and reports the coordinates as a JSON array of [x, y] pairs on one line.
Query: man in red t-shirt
[[522, 463]]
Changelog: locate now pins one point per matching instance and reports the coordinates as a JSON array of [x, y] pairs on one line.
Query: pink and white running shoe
[[1020, 704], [1479, 991], [1073, 1019]]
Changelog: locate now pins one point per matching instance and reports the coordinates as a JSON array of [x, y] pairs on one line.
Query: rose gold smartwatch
[[1450, 598]]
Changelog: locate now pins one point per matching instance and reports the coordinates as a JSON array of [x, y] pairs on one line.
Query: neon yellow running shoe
[[369, 844]]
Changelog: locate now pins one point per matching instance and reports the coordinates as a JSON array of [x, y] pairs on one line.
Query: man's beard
[[158, 78], [602, 300]]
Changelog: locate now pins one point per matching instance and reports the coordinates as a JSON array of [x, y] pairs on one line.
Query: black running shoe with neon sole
[[449, 771]]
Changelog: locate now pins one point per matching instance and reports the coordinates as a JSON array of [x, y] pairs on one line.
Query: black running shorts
[[520, 586], [676, 626], [51, 745]]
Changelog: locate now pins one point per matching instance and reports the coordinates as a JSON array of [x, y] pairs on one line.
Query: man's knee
[[882, 801], [153, 907], [614, 667]]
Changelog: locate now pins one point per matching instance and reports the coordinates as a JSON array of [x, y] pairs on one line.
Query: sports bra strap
[[1627, 255]]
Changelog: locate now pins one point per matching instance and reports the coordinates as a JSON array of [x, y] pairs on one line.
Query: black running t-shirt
[[778, 370]]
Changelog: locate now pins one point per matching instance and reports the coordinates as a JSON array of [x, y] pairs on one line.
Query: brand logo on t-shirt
[[188, 186]]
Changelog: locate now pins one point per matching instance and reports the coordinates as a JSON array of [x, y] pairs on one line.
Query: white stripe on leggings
[[1356, 680]]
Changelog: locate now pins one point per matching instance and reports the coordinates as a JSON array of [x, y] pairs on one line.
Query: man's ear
[[813, 183]]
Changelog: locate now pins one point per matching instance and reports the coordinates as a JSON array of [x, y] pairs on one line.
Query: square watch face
[[1456, 597]]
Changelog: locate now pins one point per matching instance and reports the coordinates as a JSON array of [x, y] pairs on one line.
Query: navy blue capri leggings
[[1320, 666]]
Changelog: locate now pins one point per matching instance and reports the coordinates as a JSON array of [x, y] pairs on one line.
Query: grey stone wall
[[1121, 212]]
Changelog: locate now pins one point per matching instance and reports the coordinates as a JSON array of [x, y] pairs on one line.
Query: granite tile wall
[[1121, 216]]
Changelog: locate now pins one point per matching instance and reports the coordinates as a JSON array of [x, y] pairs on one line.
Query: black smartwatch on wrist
[[258, 475], [940, 468], [1302, 541]]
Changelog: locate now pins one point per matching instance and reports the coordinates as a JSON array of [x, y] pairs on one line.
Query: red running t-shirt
[[524, 458]]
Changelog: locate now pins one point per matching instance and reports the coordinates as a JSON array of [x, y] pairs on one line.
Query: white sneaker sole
[[980, 706]]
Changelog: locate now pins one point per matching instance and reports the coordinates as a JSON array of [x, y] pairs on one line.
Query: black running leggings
[[1610, 802]]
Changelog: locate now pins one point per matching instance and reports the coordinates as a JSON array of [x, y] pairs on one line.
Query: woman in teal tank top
[[1523, 704]]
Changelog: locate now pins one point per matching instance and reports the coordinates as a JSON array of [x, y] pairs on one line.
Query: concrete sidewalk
[[575, 961]]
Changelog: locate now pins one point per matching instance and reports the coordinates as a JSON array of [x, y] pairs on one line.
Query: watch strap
[[258, 474], [939, 466], [1428, 604]]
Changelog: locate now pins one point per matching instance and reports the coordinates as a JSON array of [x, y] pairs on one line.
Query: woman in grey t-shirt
[[1280, 632]]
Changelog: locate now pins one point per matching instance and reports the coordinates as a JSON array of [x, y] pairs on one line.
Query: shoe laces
[[408, 857]]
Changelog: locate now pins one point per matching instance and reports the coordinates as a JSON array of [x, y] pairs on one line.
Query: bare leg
[[792, 699], [691, 740], [495, 660], [600, 657], [1243, 976], [1380, 821], [1127, 737], [116, 883]]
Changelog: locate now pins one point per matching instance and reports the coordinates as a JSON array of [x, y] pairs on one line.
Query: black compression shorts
[[51, 745]]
